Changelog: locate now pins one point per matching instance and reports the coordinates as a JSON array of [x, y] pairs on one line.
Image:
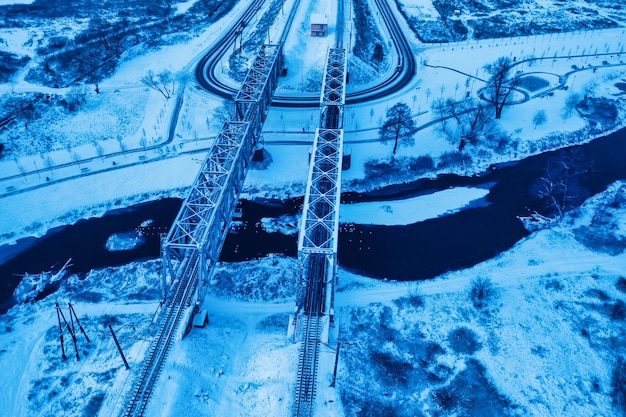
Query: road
[[209, 65]]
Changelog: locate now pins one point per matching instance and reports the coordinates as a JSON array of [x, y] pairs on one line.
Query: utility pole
[[61, 334], [69, 329], [73, 312], [119, 348]]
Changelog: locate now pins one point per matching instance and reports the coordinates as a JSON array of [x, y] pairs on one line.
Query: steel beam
[[203, 220], [254, 98], [333, 96]]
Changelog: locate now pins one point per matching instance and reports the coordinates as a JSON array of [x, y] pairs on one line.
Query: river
[[416, 251]]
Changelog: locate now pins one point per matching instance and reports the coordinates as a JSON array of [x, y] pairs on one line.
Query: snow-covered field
[[546, 343]]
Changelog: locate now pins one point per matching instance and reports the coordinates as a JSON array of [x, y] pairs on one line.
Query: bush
[[618, 312], [10, 64], [421, 164], [464, 340], [619, 385], [482, 292], [391, 369], [454, 160], [94, 404], [367, 35]]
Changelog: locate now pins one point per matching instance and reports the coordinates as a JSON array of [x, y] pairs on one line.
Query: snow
[[9, 2], [124, 241], [534, 347], [286, 224], [413, 210]]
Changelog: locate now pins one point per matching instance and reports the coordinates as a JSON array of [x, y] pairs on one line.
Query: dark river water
[[417, 251]]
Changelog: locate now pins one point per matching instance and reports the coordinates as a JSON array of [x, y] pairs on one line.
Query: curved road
[[208, 65]]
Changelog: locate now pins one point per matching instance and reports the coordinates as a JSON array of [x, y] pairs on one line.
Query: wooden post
[[119, 348]]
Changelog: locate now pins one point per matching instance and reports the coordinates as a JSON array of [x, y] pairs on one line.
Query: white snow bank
[[412, 210], [10, 2], [124, 241]]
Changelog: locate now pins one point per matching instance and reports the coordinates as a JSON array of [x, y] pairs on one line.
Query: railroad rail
[[194, 242], [308, 360], [138, 400], [317, 242]]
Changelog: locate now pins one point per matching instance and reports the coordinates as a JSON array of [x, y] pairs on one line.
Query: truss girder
[[333, 96], [320, 219], [204, 217], [255, 95]]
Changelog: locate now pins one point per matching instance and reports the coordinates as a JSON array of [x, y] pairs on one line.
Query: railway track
[[140, 395], [307, 367]]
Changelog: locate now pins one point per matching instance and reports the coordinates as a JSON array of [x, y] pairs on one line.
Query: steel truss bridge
[[317, 243], [193, 245]]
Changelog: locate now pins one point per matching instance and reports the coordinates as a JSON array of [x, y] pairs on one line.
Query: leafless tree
[[463, 122], [76, 97], [570, 105], [560, 188], [441, 111], [163, 82], [540, 118], [48, 162], [501, 84], [399, 126]]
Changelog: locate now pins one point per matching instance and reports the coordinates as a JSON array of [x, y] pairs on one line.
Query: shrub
[[464, 340], [415, 299], [391, 369], [10, 64], [482, 292], [94, 404], [454, 160], [366, 36], [554, 285], [618, 312], [619, 385], [421, 164]]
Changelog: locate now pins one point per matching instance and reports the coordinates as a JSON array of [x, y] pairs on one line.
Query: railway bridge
[[317, 242], [193, 244]]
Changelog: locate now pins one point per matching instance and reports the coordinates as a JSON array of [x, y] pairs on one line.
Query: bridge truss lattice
[[193, 245], [319, 230]]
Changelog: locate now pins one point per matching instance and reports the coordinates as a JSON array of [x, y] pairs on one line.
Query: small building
[[319, 24]]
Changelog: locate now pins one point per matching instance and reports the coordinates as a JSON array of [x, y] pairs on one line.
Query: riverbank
[[558, 297]]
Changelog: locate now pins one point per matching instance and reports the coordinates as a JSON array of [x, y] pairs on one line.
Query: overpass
[[319, 229]]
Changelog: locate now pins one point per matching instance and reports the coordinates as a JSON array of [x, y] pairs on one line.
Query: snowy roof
[[319, 18]]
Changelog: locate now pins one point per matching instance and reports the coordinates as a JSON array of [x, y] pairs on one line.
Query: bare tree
[[399, 126], [441, 111], [560, 188], [163, 82], [470, 120], [501, 84], [76, 97], [48, 162], [571, 102], [482, 292], [539, 118]]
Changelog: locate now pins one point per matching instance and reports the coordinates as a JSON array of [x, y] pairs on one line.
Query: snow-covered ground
[[547, 343]]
